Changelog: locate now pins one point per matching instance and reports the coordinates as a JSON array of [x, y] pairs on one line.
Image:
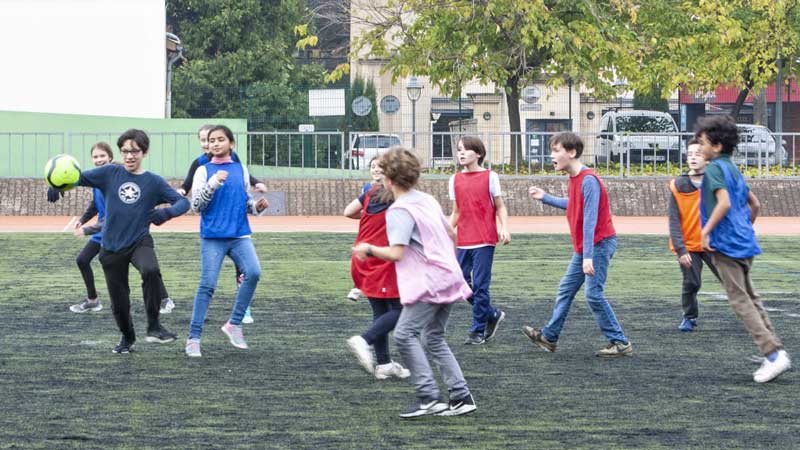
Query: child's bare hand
[[705, 241], [685, 260], [78, 231], [588, 267], [505, 237], [536, 193], [222, 175], [360, 250], [262, 204]]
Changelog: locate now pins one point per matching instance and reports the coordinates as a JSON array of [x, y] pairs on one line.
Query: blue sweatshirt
[[129, 201]]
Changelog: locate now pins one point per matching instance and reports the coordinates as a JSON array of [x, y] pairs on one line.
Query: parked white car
[[756, 142], [644, 135], [366, 146]]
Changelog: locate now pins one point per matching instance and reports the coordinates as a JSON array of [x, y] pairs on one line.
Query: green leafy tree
[[239, 61], [652, 100], [510, 43], [702, 44]]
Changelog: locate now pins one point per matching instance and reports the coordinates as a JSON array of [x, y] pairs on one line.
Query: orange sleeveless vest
[[689, 208]]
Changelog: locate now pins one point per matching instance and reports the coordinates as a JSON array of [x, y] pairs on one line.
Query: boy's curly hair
[[719, 130]]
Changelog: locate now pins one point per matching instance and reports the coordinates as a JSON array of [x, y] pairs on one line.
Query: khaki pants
[[735, 277]]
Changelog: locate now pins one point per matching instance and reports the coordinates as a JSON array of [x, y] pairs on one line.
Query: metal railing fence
[[337, 154]]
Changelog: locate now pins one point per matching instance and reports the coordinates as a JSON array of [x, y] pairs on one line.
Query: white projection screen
[[96, 57]]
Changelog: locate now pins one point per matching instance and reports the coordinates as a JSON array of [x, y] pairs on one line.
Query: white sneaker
[[363, 352], [248, 318], [193, 348], [384, 371], [235, 335], [167, 305], [354, 294], [770, 370]]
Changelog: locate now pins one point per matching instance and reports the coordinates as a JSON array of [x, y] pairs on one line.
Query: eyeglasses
[[131, 151]]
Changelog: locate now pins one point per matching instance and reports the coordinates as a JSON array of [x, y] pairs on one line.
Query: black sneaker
[[494, 324], [424, 407], [475, 339], [124, 346], [459, 407], [535, 335], [160, 335]]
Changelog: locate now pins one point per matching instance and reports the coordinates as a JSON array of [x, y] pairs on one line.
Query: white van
[[366, 146], [639, 135]]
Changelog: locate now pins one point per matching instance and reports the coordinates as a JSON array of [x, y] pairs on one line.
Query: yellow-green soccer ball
[[62, 172]]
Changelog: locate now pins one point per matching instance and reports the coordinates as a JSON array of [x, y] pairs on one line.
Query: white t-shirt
[[494, 186], [494, 191]]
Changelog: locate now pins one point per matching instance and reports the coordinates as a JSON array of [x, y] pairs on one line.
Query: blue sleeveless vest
[[734, 235], [226, 214], [100, 205]]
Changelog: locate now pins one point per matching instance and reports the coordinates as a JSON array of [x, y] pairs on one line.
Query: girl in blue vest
[[219, 193], [101, 155], [186, 187]]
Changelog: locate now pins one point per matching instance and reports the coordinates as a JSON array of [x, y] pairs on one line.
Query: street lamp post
[[620, 86], [174, 53], [414, 91]]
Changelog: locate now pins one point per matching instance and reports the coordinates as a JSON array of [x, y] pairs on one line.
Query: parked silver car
[[756, 143], [366, 146]]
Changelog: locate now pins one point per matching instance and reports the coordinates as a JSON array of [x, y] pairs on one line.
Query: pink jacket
[[435, 276]]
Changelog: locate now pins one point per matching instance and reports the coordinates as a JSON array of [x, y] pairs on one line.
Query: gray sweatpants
[[424, 324]]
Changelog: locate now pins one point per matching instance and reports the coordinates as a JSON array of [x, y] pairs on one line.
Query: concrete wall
[[28, 140], [629, 197]]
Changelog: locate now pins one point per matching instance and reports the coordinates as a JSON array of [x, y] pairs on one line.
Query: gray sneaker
[[86, 305], [615, 349], [167, 305], [193, 348], [235, 335], [535, 335]]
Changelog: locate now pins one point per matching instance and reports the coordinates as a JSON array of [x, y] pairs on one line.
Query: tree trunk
[[512, 103], [737, 107], [760, 108]]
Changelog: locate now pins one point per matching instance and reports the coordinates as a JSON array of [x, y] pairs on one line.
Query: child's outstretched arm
[[538, 193], [389, 253], [353, 210]]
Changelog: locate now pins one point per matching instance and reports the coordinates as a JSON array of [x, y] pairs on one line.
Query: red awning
[[728, 94]]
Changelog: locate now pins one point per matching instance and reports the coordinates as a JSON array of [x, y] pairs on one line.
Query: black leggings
[[84, 260], [385, 312]]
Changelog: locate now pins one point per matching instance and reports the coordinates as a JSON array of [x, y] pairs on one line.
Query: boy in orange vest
[[684, 232]]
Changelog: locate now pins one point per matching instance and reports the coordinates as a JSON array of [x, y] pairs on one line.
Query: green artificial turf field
[[299, 387]]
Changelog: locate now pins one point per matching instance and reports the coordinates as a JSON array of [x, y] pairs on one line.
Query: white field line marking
[[70, 224]]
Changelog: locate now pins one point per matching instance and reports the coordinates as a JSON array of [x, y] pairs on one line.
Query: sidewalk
[[773, 226]]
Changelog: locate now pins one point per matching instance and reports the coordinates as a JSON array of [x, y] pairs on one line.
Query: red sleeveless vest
[[477, 223], [604, 227], [375, 277]]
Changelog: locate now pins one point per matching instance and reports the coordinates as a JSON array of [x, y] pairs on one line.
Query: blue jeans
[[476, 265], [212, 252], [572, 282]]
